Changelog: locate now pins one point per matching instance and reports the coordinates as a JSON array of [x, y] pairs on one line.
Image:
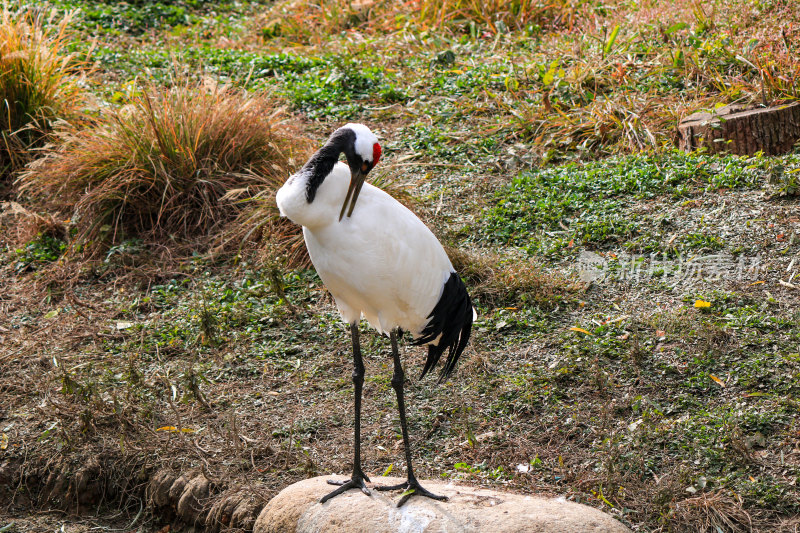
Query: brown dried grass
[[20, 225], [497, 282], [38, 84], [175, 163], [711, 512], [310, 22]]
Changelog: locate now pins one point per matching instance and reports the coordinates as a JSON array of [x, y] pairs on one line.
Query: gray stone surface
[[297, 510]]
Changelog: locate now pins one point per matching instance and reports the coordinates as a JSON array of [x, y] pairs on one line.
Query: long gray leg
[[358, 479]]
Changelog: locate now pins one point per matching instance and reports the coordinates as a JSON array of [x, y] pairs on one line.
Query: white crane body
[[380, 262], [394, 270]]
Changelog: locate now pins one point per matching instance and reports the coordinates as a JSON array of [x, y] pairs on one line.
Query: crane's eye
[[364, 167]]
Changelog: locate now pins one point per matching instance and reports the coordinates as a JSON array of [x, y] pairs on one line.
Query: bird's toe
[[415, 489], [356, 482]]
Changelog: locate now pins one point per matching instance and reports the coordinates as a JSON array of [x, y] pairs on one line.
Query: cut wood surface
[[739, 130]]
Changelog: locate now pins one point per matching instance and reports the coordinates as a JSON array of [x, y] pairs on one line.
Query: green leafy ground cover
[[595, 201], [543, 155]]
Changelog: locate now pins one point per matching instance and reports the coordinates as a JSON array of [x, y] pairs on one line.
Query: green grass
[[327, 86], [552, 209], [498, 119], [137, 17], [571, 90], [42, 250]]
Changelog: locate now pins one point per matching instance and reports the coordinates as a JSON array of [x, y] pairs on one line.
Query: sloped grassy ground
[[640, 353]]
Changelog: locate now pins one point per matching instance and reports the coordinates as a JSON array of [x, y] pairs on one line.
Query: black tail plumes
[[452, 319]]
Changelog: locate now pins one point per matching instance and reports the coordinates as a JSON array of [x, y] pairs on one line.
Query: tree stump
[[739, 130]]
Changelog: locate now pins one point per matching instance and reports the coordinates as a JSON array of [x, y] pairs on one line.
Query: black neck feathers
[[321, 163]]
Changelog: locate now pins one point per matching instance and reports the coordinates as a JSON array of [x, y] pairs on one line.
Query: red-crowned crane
[[380, 261]]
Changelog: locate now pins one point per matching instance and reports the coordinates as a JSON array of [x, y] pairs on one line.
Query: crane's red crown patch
[[376, 153]]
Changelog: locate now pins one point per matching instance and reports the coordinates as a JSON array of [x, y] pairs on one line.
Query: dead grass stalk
[[175, 163], [38, 84]]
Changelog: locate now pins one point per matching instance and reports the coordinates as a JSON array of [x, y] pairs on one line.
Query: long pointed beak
[[356, 182]]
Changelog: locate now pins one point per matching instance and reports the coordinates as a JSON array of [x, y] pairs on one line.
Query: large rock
[[297, 510]]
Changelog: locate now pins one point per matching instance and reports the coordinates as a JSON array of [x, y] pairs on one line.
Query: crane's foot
[[411, 488], [358, 481]]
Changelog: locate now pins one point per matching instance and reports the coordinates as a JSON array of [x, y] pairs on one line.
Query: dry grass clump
[[711, 512], [37, 85], [313, 21], [174, 163], [497, 283], [20, 225], [621, 124], [494, 15], [628, 75]]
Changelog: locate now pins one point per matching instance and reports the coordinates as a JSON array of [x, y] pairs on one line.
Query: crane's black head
[[362, 151], [360, 147]]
